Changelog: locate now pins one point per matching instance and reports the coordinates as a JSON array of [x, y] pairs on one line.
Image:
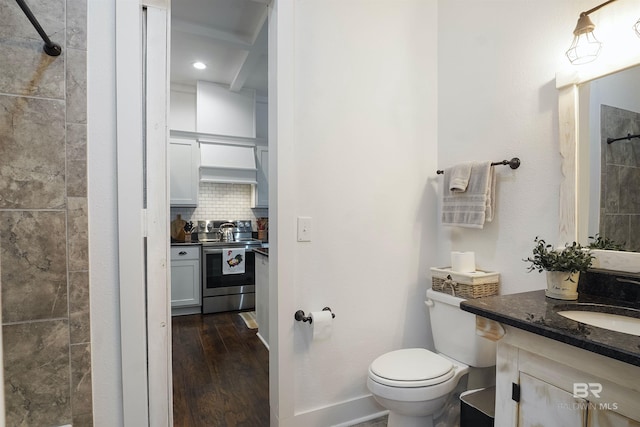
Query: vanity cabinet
[[184, 163], [262, 296], [185, 280], [260, 191], [541, 381]]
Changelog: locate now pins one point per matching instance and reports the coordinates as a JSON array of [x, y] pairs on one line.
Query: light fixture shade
[[585, 48], [637, 28]]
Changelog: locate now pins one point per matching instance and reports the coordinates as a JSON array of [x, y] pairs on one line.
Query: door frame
[[149, 338]]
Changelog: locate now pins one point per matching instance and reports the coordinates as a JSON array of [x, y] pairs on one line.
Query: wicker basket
[[465, 285]]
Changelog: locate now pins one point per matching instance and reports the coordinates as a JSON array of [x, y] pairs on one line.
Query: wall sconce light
[[636, 27], [585, 47]]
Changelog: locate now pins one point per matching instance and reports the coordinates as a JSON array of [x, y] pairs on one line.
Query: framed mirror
[[608, 163], [591, 183]]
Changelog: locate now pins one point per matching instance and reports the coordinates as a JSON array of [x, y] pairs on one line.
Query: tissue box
[[465, 285]]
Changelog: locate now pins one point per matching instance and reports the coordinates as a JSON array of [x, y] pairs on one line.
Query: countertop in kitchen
[[262, 251], [535, 313], [185, 243]]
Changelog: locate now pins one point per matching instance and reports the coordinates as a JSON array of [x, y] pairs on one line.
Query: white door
[[143, 211]]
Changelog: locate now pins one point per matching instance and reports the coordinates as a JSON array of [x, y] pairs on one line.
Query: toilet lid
[[413, 367]]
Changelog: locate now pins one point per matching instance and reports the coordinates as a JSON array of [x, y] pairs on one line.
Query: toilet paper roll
[[463, 262], [322, 324]]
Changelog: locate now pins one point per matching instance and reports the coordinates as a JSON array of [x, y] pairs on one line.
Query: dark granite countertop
[[535, 313], [262, 251], [185, 243]]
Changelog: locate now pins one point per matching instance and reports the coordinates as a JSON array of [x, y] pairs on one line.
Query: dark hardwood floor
[[220, 372]]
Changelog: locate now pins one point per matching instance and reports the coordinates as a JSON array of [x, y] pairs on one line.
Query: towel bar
[[513, 164], [300, 317]]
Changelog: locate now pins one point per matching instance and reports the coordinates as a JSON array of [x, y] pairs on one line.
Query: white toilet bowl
[[413, 384]]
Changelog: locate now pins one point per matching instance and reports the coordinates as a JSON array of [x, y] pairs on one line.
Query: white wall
[[497, 100], [364, 160], [182, 108]]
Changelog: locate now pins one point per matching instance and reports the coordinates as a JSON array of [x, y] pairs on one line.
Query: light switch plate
[[304, 229]]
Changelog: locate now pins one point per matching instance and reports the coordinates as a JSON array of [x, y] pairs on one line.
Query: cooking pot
[[226, 232]]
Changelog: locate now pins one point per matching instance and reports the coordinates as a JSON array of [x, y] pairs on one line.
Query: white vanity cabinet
[[262, 296], [541, 381], [186, 295], [260, 191], [184, 163]]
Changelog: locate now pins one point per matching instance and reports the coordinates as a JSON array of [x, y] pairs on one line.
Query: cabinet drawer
[[185, 252]]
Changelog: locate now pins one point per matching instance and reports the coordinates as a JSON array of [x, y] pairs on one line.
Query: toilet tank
[[454, 332]]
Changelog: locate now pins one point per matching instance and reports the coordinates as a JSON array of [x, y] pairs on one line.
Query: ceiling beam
[[251, 61], [224, 37], [253, 56]]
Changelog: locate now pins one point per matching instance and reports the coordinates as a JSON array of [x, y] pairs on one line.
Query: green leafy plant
[[573, 258], [600, 242]]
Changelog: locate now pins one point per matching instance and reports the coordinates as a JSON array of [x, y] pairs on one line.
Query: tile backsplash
[[222, 201]]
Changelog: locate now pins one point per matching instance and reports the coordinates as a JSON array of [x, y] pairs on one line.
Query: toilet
[[414, 383]]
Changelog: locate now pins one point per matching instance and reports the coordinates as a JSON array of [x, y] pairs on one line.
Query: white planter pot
[[562, 285]]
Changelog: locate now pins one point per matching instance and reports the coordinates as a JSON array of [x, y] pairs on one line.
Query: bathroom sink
[[622, 320]]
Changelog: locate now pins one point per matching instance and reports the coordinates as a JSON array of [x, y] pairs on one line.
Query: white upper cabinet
[[184, 162], [222, 112], [260, 196]]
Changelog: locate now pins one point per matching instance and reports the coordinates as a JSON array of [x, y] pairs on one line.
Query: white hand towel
[[459, 176], [491, 195], [233, 261], [475, 206]]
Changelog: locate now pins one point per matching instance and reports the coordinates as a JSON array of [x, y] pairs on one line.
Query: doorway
[[221, 43]]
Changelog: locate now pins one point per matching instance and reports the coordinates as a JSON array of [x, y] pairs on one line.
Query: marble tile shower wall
[[619, 200], [44, 266], [222, 201]]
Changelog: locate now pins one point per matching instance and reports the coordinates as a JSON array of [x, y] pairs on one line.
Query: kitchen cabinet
[[260, 191], [184, 162], [262, 297], [185, 280], [541, 381]]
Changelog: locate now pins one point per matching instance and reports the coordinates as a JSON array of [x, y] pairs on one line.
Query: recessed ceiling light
[[199, 65]]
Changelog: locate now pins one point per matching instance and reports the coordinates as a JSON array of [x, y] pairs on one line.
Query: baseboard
[[184, 311], [339, 415], [263, 341]]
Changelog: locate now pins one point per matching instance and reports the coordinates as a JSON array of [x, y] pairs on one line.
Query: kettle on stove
[[226, 232]]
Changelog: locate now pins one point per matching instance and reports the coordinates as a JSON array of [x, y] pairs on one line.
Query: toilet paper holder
[[300, 317]]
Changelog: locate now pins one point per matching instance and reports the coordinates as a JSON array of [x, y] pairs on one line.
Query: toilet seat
[[411, 367]]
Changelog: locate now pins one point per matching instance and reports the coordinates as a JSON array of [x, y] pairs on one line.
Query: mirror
[[575, 193], [608, 174]]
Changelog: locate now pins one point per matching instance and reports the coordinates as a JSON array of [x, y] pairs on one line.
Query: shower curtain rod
[[629, 136], [50, 48]]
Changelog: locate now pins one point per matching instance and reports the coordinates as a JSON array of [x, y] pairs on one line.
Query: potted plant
[[604, 243], [563, 267]]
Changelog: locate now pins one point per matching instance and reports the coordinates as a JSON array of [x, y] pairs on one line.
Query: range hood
[[227, 163]]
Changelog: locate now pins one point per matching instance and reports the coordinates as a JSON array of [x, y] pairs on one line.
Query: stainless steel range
[[228, 267]]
